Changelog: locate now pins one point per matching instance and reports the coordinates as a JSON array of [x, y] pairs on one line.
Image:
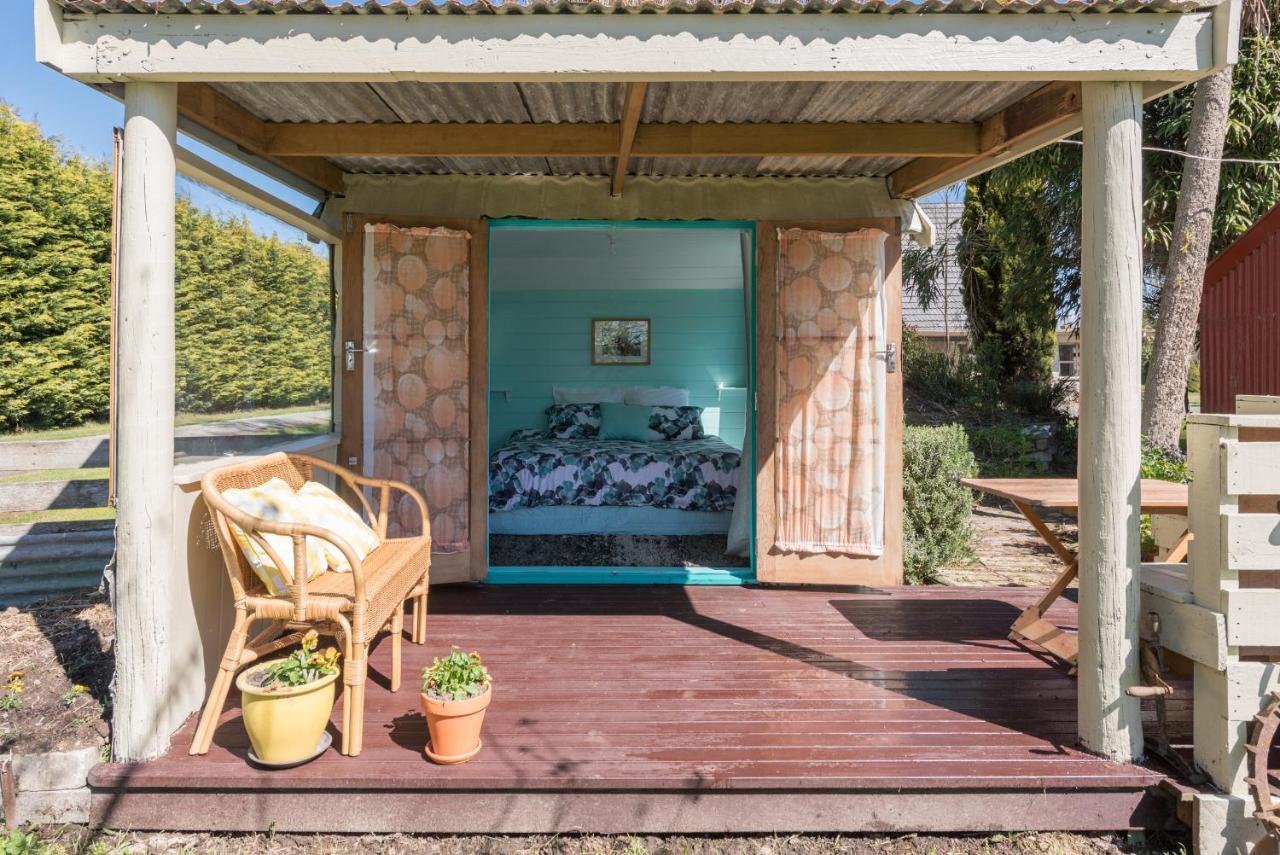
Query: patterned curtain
[[417, 286], [830, 392]]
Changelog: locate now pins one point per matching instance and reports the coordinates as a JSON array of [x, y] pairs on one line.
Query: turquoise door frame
[[562, 575]]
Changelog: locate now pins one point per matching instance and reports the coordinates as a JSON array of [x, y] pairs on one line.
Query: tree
[[1196, 227], [253, 313]]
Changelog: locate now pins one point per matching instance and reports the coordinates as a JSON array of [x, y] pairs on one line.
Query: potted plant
[[455, 693], [287, 703]]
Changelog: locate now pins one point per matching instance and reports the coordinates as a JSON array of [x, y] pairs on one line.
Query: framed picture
[[620, 341]]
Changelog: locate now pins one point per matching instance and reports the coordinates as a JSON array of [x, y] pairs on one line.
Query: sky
[[83, 118]]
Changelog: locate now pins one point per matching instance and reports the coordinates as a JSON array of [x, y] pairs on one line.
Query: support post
[[145, 396], [1110, 721]]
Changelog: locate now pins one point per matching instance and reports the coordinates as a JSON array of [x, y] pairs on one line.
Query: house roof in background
[[403, 7], [946, 313]]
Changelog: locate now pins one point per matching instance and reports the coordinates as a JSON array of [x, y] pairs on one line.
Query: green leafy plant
[[456, 677], [937, 507], [1002, 450], [302, 666], [1162, 465]]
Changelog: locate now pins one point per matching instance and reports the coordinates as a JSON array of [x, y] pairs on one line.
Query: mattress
[[689, 475], [577, 519]]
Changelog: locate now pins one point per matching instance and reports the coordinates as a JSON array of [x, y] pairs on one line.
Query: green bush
[[1161, 465], [937, 507], [1002, 450]]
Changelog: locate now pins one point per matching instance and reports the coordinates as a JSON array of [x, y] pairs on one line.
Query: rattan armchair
[[354, 607]]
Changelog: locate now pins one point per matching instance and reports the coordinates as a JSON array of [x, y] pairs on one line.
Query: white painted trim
[[198, 169], [978, 47], [1226, 32], [1251, 616], [1251, 468]]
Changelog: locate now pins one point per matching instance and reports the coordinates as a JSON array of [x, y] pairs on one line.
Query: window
[[1067, 360]]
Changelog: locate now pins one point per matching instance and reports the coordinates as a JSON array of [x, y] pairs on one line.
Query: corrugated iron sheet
[[469, 7], [1240, 319]]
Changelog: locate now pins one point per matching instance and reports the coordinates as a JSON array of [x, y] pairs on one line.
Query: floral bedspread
[[693, 475]]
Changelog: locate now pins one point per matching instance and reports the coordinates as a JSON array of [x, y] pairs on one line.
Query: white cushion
[[273, 501], [656, 396], [587, 394], [323, 508]]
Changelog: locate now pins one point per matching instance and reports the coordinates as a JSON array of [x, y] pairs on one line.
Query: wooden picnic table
[[1063, 494]]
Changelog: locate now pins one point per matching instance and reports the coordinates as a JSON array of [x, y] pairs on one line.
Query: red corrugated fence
[[1240, 319]]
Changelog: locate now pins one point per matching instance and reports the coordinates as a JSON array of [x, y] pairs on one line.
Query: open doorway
[[620, 382]]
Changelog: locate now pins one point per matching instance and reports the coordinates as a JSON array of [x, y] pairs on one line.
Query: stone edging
[[52, 787]]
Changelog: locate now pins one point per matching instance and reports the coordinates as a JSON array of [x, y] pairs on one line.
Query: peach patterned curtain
[[829, 455], [417, 286]]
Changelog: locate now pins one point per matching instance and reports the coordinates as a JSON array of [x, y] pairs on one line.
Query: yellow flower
[[16, 675], [79, 688]]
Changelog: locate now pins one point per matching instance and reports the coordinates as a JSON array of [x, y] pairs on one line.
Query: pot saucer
[[452, 759], [326, 739]]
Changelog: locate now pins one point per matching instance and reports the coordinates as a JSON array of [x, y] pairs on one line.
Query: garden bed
[[58, 662]]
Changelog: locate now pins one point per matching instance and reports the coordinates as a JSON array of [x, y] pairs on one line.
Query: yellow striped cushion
[[325, 509], [273, 501]]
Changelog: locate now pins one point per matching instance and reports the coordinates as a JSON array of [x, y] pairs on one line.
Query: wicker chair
[[354, 607]]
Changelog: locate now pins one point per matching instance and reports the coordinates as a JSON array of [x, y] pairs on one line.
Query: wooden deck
[[651, 709]]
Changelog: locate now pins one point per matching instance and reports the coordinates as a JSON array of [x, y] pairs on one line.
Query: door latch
[[890, 355], [349, 351]]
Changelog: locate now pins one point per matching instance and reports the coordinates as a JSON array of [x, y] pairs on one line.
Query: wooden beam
[[871, 139], [1047, 108], [1110, 720], [557, 48], [197, 168], [144, 423], [210, 109], [631, 110]]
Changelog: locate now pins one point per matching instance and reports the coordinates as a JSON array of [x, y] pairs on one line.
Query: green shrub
[[937, 506], [1002, 450]]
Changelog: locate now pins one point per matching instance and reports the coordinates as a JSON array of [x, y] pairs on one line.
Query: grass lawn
[[182, 420], [92, 474], [59, 515]]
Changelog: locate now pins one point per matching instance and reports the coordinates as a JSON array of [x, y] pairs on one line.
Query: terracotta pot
[[285, 725], [454, 727]]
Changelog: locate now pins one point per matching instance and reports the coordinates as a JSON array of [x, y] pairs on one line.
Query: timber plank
[[758, 692]]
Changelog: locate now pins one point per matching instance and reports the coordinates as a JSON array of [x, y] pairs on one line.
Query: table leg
[[1031, 624], [1178, 553]]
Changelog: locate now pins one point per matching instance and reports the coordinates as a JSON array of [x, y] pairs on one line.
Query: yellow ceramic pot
[[285, 724]]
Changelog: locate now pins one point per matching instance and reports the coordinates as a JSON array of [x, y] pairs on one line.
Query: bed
[[544, 485]]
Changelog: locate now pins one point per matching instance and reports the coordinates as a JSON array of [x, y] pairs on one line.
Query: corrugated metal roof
[[831, 101], [412, 7]]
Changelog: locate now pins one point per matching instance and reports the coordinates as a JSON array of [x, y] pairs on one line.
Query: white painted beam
[[980, 47], [197, 168], [144, 419], [1110, 391]]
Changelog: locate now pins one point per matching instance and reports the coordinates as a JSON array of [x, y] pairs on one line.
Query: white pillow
[[656, 396], [587, 394]]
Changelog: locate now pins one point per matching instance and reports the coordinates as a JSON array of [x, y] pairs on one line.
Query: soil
[[77, 839], [58, 644], [611, 550]]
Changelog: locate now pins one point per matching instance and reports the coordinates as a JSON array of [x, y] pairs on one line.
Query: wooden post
[[1110, 395], [145, 395]]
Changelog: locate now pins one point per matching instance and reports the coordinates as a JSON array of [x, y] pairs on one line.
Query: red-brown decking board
[[650, 709]]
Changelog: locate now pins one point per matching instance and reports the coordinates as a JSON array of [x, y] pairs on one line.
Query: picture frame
[[620, 341]]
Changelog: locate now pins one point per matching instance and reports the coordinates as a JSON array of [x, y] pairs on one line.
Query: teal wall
[[539, 339], [687, 283]]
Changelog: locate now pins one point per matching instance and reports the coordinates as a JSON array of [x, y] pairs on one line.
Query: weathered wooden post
[[1110, 394], [144, 419], [1235, 485]]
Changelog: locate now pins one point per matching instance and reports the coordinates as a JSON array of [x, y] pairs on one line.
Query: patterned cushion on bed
[[573, 421], [675, 423], [522, 434]]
